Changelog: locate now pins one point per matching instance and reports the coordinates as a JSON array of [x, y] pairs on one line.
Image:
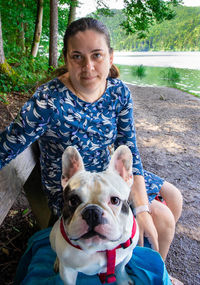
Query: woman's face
[[88, 61]]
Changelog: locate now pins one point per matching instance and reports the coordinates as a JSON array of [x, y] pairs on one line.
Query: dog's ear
[[71, 163], [121, 162]]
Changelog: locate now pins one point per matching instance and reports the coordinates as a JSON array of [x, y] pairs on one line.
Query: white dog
[[97, 230]]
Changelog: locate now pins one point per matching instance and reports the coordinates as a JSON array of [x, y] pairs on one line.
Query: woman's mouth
[[88, 77]]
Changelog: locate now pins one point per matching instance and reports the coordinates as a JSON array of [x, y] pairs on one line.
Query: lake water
[[190, 60], [187, 65]]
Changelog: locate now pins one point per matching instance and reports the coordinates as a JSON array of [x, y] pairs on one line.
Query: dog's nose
[[93, 215]]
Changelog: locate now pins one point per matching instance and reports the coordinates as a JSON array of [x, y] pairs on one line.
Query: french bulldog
[[97, 231]]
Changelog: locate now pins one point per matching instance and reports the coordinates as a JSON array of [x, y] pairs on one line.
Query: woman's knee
[[165, 224], [173, 199], [163, 219]]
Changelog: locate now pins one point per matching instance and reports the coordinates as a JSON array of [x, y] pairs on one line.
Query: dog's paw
[[56, 265]]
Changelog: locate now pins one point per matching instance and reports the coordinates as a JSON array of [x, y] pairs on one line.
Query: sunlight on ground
[[161, 142], [193, 233], [175, 125]]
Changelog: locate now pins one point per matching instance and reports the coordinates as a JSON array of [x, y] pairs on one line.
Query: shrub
[[28, 73]]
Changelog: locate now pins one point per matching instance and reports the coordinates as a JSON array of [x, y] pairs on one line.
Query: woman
[[91, 109]]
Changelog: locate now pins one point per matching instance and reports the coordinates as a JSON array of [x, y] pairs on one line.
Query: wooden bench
[[23, 172]]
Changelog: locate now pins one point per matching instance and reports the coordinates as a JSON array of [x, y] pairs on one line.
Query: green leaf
[[25, 211]]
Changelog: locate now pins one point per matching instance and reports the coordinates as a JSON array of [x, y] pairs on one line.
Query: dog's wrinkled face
[[96, 211]]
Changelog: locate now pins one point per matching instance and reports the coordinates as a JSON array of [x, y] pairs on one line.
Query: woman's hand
[[139, 198], [147, 229]]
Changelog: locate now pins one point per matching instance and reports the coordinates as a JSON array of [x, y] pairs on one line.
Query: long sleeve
[[31, 123], [126, 133]]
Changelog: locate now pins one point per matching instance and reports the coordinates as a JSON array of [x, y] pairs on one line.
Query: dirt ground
[[168, 133]]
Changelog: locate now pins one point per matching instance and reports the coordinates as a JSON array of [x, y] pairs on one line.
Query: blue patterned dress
[[57, 118]]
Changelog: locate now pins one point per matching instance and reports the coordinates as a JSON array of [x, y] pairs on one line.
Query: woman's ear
[[111, 58]]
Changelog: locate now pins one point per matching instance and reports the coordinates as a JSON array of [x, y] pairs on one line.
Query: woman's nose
[[88, 64]]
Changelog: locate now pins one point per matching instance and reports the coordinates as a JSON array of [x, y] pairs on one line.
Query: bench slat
[[12, 178]]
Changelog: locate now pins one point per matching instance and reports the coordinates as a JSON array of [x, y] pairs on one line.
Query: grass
[[139, 71], [171, 75]]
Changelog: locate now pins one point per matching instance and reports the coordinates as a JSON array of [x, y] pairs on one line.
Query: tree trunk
[[72, 11], [20, 36], [53, 50], [38, 28], [2, 56], [26, 40], [20, 39], [4, 66]]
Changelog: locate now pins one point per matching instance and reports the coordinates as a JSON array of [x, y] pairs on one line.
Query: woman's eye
[[115, 201], [77, 57], [97, 55]]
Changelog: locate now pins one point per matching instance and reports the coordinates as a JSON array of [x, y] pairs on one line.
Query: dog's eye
[[115, 201], [74, 201]]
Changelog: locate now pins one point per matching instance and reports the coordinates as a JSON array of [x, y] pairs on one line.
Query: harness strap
[[109, 276], [62, 229]]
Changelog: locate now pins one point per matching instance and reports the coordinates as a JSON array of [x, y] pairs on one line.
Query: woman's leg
[[173, 199], [165, 224], [165, 217]]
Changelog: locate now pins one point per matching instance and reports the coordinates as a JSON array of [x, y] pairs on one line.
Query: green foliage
[[3, 97], [28, 72], [5, 82], [171, 75], [17, 17], [141, 15], [102, 10], [105, 12], [18, 25], [179, 34], [139, 71], [26, 211]]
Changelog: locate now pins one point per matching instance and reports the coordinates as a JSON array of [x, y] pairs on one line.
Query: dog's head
[[96, 212]]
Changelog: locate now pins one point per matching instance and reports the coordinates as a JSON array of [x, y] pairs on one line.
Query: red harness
[[109, 276]]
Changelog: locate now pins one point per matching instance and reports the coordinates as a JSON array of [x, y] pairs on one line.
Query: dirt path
[[168, 134]]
